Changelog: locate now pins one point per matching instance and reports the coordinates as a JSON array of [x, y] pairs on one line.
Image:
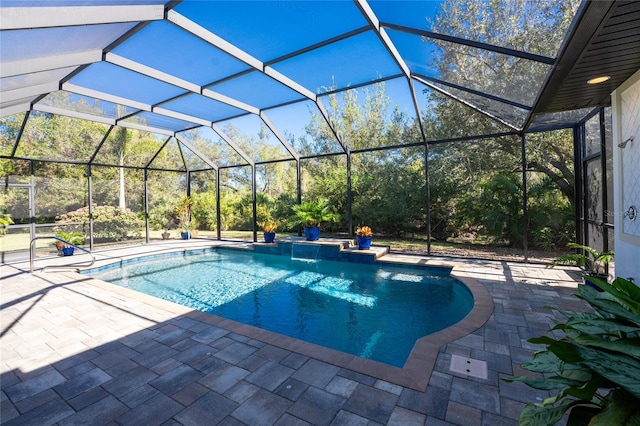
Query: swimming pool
[[372, 311]]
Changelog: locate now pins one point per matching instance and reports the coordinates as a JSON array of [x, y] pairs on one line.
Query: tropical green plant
[[586, 257], [5, 220], [314, 213], [595, 366], [183, 211], [75, 238]]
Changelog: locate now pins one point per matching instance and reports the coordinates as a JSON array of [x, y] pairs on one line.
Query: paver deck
[[78, 351]]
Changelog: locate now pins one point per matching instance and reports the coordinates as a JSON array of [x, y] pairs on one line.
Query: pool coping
[[416, 372]]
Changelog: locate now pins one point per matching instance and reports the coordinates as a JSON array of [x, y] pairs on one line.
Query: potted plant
[[166, 234], [312, 214], [75, 238], [269, 229], [183, 211], [593, 365], [593, 262], [185, 226], [364, 235]]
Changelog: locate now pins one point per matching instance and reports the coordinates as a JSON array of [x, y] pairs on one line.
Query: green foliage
[[460, 172], [378, 202], [5, 220], [161, 213], [586, 257], [314, 213], [183, 214], [111, 223], [499, 207], [595, 366], [282, 208], [536, 26], [203, 210], [551, 215], [75, 238]]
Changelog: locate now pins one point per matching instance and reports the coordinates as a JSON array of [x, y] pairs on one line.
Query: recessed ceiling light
[[598, 80]]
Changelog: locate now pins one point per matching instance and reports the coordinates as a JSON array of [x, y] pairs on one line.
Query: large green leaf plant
[[595, 366], [314, 213]]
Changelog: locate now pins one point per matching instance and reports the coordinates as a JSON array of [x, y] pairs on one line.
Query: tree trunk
[[122, 204]]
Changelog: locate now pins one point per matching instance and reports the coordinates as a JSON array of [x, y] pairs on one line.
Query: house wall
[[626, 172]]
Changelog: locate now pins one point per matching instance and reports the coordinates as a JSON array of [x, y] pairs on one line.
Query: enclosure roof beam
[[462, 101], [29, 91], [70, 87], [145, 128], [206, 35], [170, 79], [46, 63], [472, 43], [384, 38], [280, 137], [97, 150], [15, 108], [180, 116], [151, 72], [370, 16], [233, 145], [195, 151], [218, 42], [16, 18], [181, 152], [229, 101], [157, 153], [474, 92], [133, 104], [74, 114]]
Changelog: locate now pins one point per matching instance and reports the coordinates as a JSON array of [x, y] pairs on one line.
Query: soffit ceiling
[[169, 67], [605, 41]]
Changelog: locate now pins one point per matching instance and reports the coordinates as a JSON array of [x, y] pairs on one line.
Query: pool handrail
[[71, 266]]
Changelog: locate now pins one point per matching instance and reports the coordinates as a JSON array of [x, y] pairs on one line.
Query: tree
[[122, 140], [536, 26], [461, 171]]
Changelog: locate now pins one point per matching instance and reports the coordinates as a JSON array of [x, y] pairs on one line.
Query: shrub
[[595, 366], [203, 211], [111, 223]]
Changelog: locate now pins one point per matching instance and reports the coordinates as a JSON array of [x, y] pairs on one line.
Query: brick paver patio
[[81, 352]]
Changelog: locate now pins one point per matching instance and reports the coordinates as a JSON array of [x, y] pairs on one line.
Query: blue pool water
[[371, 311]]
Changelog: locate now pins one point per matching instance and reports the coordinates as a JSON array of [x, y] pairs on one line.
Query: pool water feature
[[372, 311]]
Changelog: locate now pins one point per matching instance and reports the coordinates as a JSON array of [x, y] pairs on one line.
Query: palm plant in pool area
[[595, 366], [588, 258], [312, 214]]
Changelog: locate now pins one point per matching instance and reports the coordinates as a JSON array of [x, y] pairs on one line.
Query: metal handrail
[[32, 254]]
